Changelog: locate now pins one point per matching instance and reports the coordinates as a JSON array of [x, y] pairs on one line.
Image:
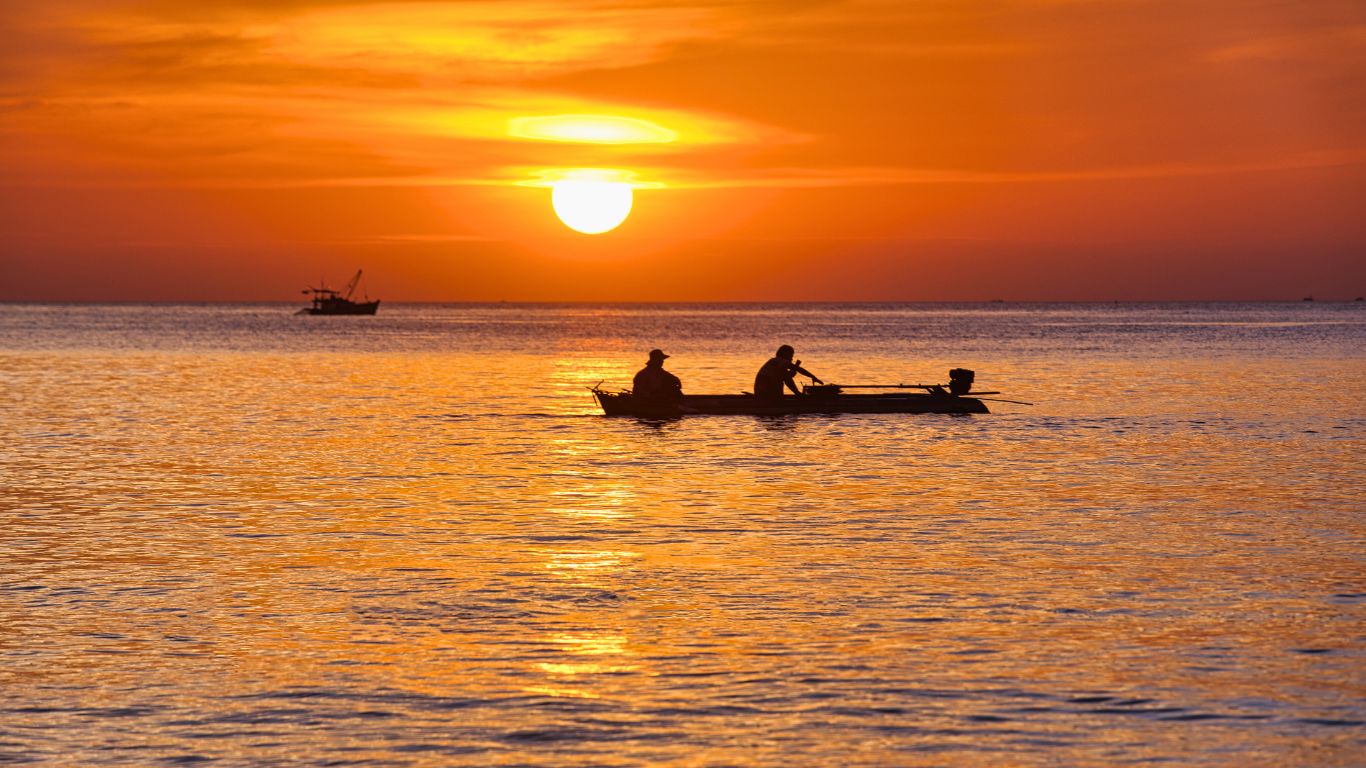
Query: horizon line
[[693, 302]]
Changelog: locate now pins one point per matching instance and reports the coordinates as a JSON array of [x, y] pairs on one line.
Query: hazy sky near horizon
[[864, 149]]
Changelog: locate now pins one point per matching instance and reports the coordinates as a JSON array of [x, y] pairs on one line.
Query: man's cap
[[786, 351], [657, 354]]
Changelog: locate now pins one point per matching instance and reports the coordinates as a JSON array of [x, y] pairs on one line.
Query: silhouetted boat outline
[[329, 302], [954, 397]]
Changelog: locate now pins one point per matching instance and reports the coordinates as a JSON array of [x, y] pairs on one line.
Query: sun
[[591, 206]]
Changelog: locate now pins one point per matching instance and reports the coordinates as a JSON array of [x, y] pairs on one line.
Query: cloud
[[857, 92], [258, 93]]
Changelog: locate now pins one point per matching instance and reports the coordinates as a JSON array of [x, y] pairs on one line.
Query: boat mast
[[351, 286]]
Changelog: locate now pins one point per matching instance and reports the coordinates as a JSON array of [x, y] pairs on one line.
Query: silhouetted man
[[655, 383], [778, 371]]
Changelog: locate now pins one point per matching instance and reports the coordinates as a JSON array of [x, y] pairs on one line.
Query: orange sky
[[861, 150]]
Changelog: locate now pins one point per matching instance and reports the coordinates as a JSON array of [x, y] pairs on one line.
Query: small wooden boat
[[329, 302], [954, 397], [625, 404]]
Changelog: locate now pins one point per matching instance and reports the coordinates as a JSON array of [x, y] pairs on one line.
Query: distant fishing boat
[[329, 302], [954, 397]]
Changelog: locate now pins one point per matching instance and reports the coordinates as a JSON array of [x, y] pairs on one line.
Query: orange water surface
[[235, 536]]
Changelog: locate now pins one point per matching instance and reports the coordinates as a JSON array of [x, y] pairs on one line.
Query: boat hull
[[341, 307], [625, 404]]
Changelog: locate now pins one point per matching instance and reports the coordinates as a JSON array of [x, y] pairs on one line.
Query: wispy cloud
[[245, 91], [304, 91]]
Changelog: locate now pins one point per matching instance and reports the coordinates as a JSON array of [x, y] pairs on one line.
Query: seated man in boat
[[655, 383], [777, 372]]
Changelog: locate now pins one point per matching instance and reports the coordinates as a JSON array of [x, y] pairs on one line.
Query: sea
[[232, 535]]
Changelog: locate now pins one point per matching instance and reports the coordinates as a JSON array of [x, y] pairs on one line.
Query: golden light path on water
[[424, 546]]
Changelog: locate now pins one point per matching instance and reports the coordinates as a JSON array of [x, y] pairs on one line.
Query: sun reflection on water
[[595, 503], [577, 564]]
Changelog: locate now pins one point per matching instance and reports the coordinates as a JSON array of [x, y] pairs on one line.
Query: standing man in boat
[[656, 384], [779, 371]]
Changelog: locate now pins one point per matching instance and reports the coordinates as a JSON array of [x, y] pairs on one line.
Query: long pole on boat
[[930, 387], [889, 386]]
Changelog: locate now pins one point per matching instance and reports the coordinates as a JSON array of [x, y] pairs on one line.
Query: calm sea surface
[[237, 536]]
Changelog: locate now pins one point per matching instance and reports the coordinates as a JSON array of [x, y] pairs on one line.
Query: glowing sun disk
[[591, 206]]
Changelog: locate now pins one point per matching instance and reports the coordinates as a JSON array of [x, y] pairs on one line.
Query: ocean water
[[231, 535]]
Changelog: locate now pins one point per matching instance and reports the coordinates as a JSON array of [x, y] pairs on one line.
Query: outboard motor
[[960, 381]]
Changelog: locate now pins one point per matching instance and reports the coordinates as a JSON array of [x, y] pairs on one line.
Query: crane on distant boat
[[351, 286]]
